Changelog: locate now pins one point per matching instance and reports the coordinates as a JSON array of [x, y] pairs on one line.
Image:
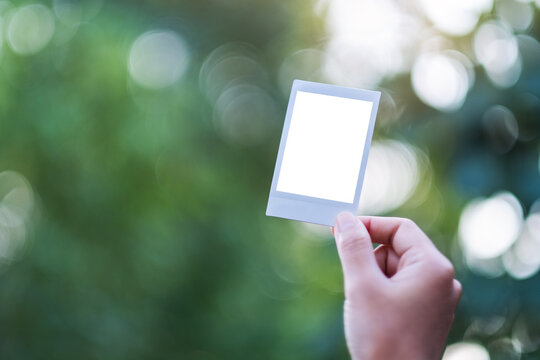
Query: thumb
[[355, 249]]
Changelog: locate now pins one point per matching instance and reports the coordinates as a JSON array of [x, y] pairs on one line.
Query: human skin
[[401, 297]]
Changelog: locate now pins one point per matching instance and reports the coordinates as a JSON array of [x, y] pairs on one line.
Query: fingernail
[[345, 220]]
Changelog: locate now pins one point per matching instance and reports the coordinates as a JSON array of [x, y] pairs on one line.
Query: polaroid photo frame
[[323, 152]]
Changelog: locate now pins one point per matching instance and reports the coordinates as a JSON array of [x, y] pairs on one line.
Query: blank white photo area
[[325, 145]]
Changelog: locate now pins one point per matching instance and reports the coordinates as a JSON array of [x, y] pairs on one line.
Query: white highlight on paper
[[324, 148]]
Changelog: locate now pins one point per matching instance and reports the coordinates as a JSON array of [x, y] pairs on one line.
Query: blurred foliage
[[148, 237]]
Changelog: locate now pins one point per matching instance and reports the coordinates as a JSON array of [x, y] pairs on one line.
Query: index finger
[[399, 233]]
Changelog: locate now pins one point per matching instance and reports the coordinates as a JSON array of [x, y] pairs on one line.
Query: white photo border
[[305, 208]]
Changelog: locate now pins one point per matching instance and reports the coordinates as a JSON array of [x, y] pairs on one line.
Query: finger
[[381, 253], [457, 291], [400, 234], [355, 249], [387, 259]]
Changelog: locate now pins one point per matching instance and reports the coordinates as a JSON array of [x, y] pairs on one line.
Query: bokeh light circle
[[392, 175], [527, 248], [522, 261], [68, 12], [496, 49], [489, 227], [501, 127], [518, 14], [441, 81], [305, 64], [495, 46], [158, 59], [74, 12], [30, 29], [457, 17], [16, 206], [228, 65], [489, 268], [245, 114], [466, 351], [357, 29], [517, 268]]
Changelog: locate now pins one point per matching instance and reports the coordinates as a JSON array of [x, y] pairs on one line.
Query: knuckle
[[408, 223], [445, 271], [351, 243]]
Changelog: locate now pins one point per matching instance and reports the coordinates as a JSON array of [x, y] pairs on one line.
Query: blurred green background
[[137, 146]]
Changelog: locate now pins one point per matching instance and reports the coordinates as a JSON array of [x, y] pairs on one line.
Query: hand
[[400, 298]]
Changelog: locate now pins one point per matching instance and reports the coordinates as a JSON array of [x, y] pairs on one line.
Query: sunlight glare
[[369, 40]]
